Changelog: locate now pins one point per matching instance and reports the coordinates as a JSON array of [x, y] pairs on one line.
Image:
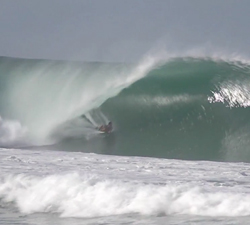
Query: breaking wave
[[187, 107]]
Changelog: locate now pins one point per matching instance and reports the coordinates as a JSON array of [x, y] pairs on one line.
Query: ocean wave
[[168, 105], [74, 196]]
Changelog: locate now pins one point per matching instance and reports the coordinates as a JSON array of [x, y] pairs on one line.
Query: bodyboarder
[[106, 128]]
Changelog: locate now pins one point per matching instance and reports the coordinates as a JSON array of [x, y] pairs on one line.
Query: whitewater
[[179, 152], [49, 186]]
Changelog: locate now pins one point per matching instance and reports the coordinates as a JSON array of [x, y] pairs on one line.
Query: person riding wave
[[106, 128]]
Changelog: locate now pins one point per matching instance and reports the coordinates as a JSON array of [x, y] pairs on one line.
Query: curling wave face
[[174, 107]]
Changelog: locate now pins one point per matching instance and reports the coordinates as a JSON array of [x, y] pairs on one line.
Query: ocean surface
[[179, 152]]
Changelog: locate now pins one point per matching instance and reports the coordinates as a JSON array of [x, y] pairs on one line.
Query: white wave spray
[[11, 132], [75, 196]]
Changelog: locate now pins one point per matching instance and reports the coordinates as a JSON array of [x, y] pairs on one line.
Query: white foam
[[89, 185], [11, 132], [150, 101], [74, 196], [232, 93]]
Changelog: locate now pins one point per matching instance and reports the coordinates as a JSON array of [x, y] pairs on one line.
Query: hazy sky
[[120, 30]]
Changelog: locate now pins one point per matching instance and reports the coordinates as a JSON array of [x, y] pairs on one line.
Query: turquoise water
[[182, 108]]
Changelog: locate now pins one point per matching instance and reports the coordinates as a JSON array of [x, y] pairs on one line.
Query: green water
[[187, 108]]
